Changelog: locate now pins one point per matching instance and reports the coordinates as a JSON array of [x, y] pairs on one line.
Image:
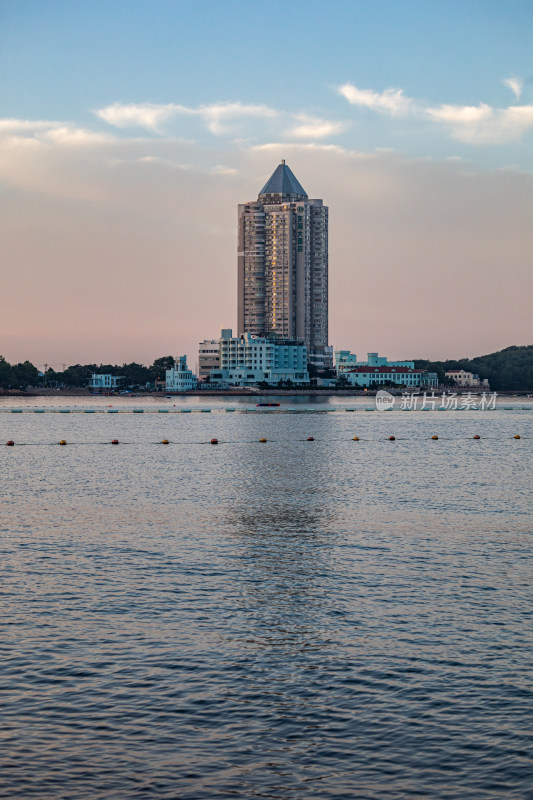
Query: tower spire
[[282, 186]]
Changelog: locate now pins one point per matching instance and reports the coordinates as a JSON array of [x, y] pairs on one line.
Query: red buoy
[[10, 443], [392, 438], [310, 438], [214, 441], [114, 441], [477, 436]]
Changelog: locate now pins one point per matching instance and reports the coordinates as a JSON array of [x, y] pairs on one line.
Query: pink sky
[[117, 249]]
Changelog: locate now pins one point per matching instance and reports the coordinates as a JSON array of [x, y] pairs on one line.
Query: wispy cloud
[[515, 85], [18, 126], [49, 130], [140, 115], [218, 114], [152, 116], [484, 124], [391, 101], [472, 124], [314, 128]]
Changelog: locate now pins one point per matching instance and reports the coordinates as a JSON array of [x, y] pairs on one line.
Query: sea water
[[289, 619]]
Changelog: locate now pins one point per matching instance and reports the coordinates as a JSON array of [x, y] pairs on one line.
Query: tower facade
[[283, 265]]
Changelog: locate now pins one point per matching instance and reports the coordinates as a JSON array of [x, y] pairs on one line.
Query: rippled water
[[290, 619]]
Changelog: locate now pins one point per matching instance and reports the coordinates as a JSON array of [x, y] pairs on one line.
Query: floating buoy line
[[266, 409], [262, 440]]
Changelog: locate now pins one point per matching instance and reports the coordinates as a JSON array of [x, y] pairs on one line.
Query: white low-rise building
[[180, 378], [400, 376], [247, 360], [208, 358], [104, 383], [345, 361], [467, 380]]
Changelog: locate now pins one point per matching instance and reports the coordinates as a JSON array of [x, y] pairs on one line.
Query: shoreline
[[315, 392]]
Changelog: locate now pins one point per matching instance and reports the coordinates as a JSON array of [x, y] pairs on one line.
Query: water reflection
[[283, 531]]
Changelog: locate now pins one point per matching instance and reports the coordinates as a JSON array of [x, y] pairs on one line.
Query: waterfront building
[[180, 378], [104, 383], [208, 358], [411, 378], [283, 266], [247, 360], [467, 380], [346, 360]]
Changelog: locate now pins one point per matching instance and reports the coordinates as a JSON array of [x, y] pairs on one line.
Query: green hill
[[507, 370]]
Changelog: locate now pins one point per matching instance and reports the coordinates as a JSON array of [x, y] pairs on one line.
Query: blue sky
[[100, 100], [64, 60]]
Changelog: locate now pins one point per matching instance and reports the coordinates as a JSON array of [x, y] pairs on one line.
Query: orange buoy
[[517, 436], [310, 438], [10, 443], [434, 437], [392, 438], [164, 441], [63, 441], [262, 440], [214, 441], [114, 441], [355, 438], [477, 436]]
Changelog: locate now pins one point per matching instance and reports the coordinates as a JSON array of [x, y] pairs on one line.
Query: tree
[[5, 373], [24, 374], [135, 374], [159, 367], [77, 375]]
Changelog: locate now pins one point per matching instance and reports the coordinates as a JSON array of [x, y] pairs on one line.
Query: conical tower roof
[[283, 183]]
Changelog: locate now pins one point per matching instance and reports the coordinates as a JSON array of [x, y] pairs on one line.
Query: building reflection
[[282, 525]]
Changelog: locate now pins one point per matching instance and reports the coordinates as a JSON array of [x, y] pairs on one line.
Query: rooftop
[[282, 182], [386, 370]]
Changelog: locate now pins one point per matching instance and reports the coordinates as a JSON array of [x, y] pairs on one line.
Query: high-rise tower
[[283, 265]]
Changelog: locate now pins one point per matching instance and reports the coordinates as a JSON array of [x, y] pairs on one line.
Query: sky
[[131, 129]]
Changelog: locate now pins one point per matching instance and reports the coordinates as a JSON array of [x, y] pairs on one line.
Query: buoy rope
[[264, 440]]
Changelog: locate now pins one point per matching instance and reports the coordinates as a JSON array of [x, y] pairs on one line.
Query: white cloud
[[472, 124], [391, 101], [314, 127], [483, 124], [18, 126], [218, 114], [141, 115], [515, 85], [461, 115], [24, 131], [281, 147], [79, 137], [152, 116]]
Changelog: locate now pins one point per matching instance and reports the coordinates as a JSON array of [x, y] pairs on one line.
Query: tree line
[[507, 370], [20, 376]]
